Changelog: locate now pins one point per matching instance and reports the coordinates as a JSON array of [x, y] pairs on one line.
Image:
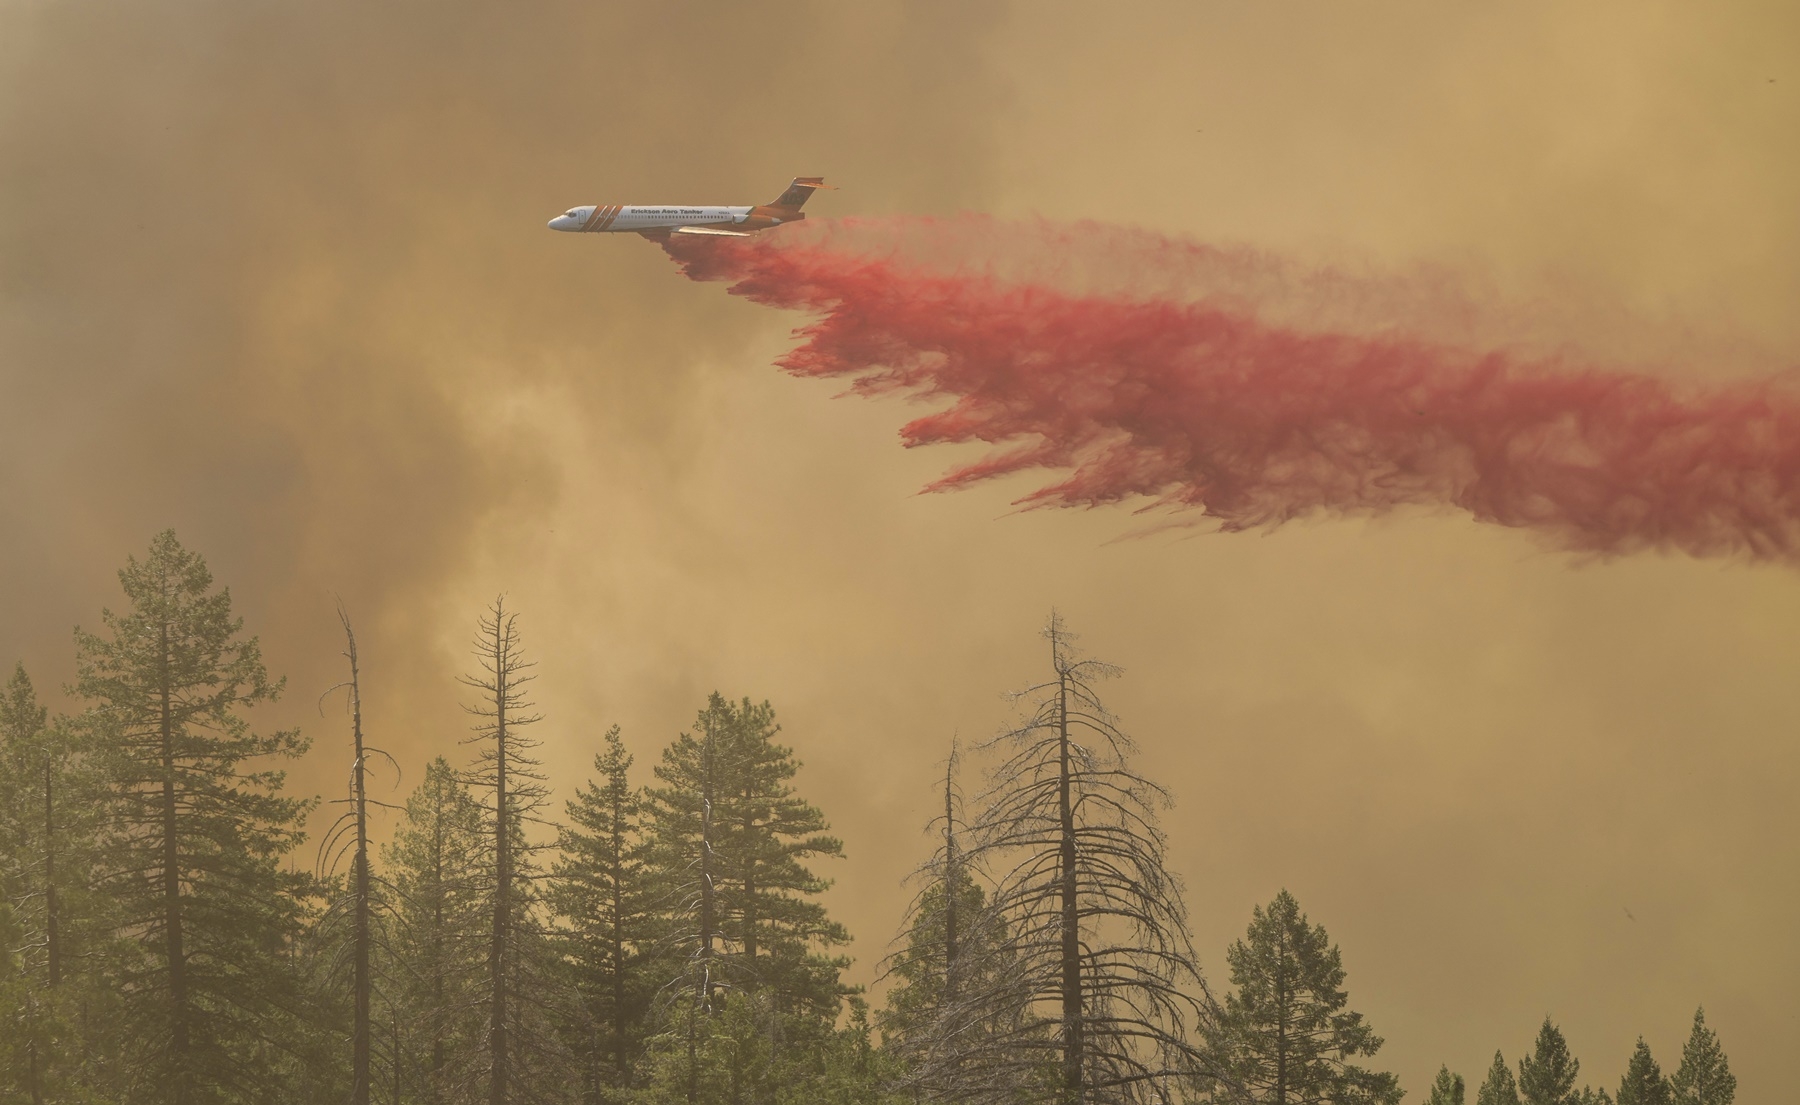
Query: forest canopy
[[170, 936]]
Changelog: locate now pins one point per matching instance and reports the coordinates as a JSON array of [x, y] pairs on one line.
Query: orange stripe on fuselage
[[612, 216], [593, 218]]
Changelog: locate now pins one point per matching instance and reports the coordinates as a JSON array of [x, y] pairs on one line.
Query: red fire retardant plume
[[1210, 404]]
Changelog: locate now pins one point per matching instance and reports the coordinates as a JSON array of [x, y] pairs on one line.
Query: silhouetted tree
[[1704, 1077], [199, 827]]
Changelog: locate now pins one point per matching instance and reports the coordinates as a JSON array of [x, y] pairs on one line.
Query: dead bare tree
[[1093, 994], [350, 833], [521, 994]]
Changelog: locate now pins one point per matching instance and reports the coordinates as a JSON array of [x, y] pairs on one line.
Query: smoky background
[[276, 276]]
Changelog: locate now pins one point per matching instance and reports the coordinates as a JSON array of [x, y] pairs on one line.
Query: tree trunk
[[360, 1083], [1282, 1002], [502, 886], [53, 947], [180, 1043], [437, 956], [950, 884], [1071, 931], [618, 947], [708, 916]]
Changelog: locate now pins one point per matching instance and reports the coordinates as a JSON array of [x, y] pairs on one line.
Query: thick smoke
[[1223, 381]]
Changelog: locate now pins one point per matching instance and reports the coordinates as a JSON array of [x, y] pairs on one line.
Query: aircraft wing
[[711, 230]]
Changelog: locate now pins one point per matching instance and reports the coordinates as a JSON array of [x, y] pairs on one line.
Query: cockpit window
[[570, 213]]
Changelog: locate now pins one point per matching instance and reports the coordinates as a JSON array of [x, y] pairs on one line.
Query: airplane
[[660, 222]]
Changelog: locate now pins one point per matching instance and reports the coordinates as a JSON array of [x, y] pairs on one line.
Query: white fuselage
[[617, 218]]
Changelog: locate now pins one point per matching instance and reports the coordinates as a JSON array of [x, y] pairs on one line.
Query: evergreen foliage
[[158, 945], [54, 925], [1447, 1089], [603, 888], [1704, 1077], [198, 829], [738, 913], [437, 954], [1547, 1076], [1644, 1083], [1499, 1087], [1287, 1034]]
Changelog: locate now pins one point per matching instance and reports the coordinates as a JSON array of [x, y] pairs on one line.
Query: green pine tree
[[49, 827], [438, 950], [1498, 1088], [1704, 1077], [199, 829], [602, 890], [730, 840], [1547, 1076], [1644, 1083], [1447, 1090], [1288, 1035]]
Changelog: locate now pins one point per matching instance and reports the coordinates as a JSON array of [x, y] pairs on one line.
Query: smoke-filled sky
[[277, 276]]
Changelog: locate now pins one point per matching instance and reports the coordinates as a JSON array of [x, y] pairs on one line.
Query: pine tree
[[768, 905], [1287, 1033], [1447, 1090], [440, 940], [1644, 1083], [602, 889], [1704, 1077], [199, 828], [1547, 1076], [50, 822], [1498, 1088], [729, 845]]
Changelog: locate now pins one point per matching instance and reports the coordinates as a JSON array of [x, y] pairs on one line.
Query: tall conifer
[[602, 888], [199, 831], [1288, 1033], [1704, 1077], [731, 841]]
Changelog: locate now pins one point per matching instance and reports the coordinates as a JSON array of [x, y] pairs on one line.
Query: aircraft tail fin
[[797, 192]]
